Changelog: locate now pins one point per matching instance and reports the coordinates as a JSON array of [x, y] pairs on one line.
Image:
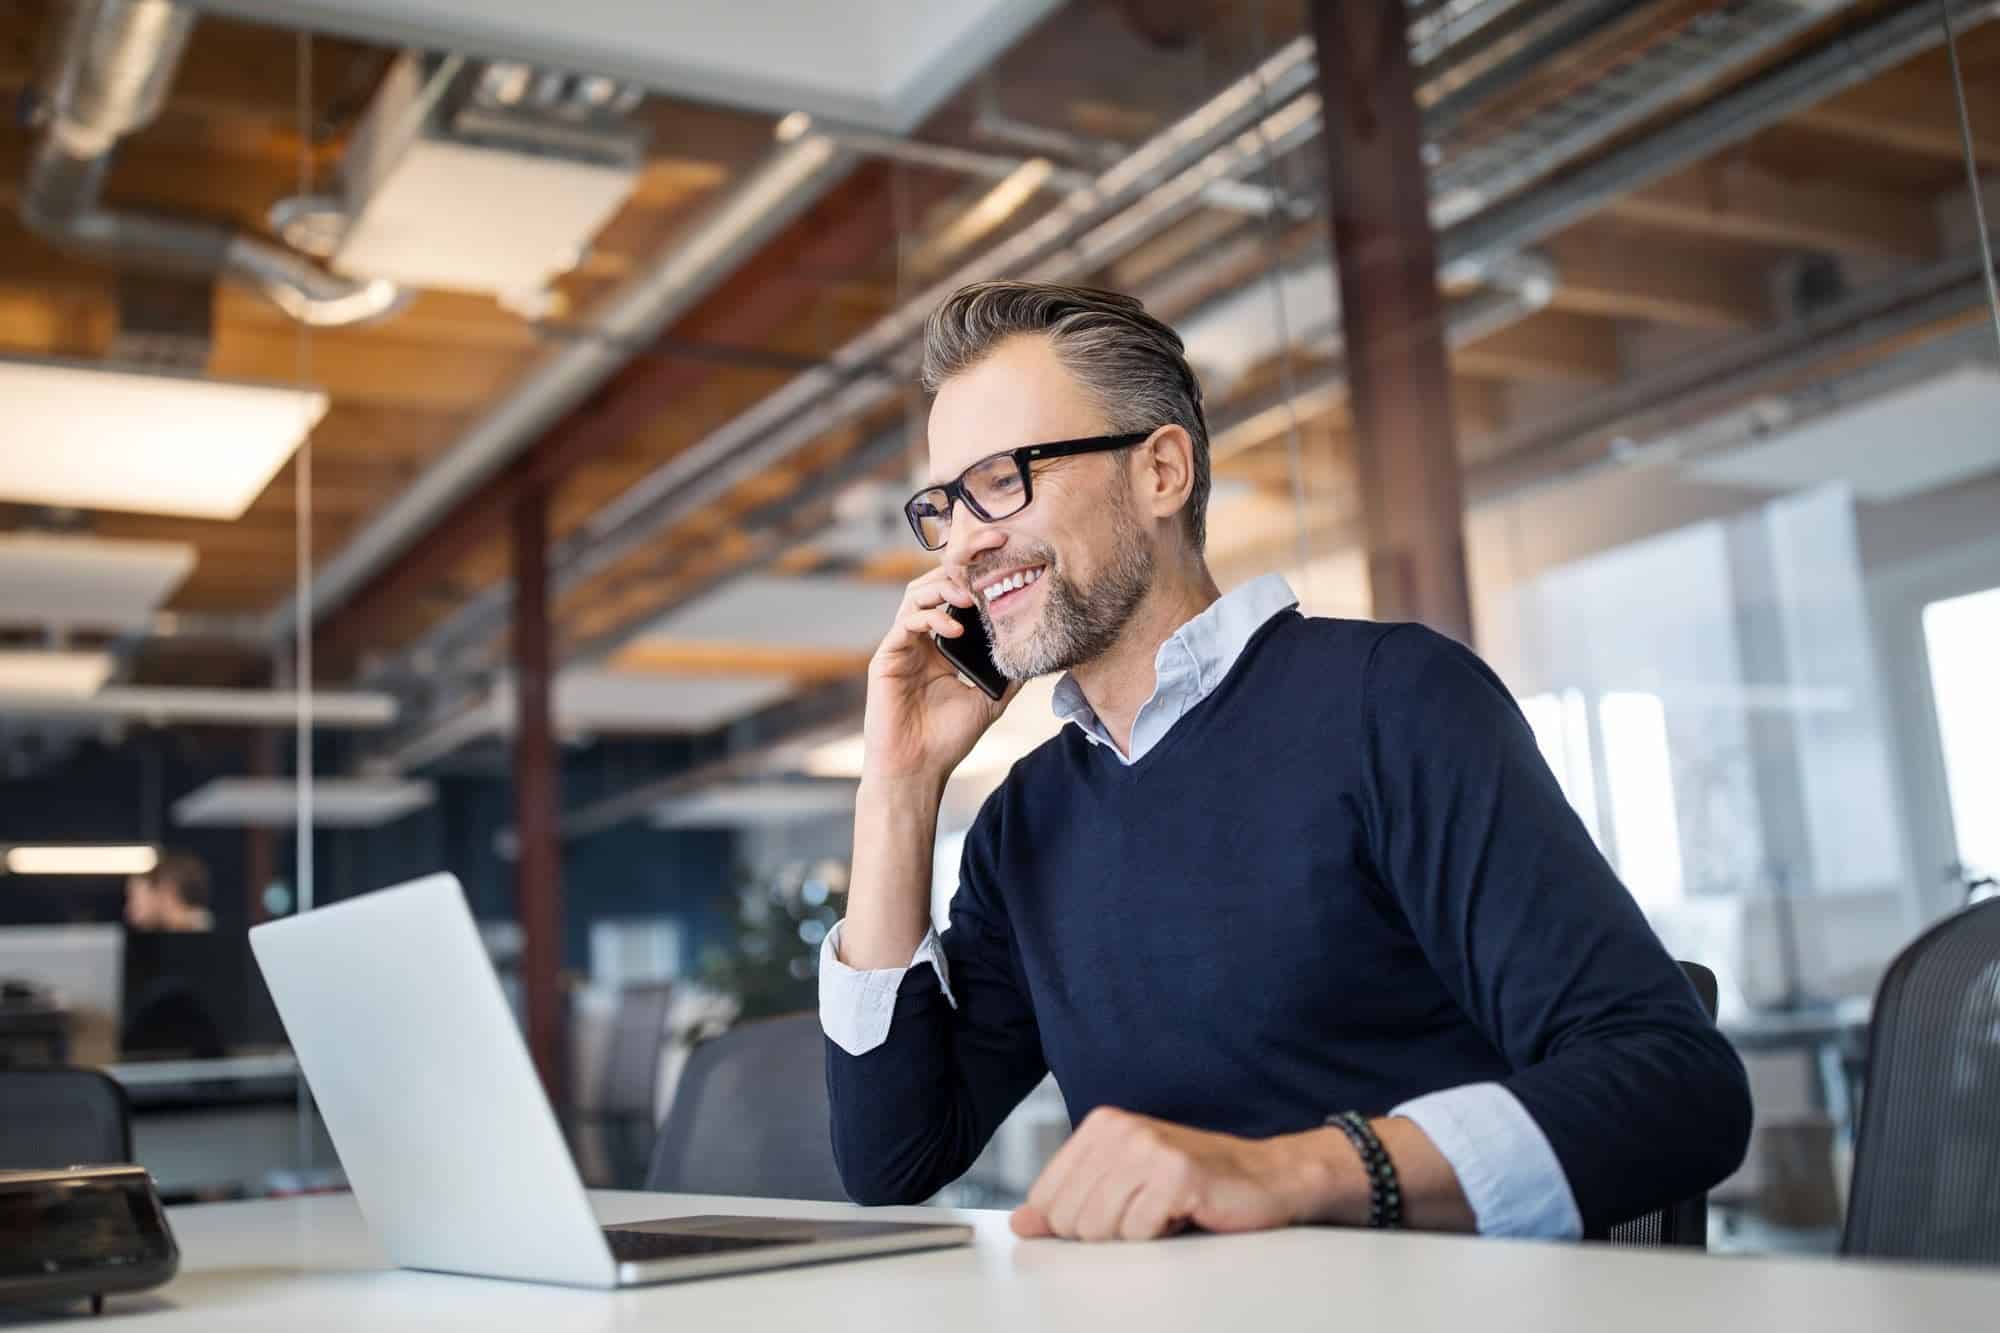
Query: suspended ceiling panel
[[881, 63], [87, 437], [274, 802], [87, 582], [756, 804], [1943, 431], [822, 612], [613, 701]]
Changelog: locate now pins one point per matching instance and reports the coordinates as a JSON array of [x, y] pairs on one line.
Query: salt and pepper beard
[[1078, 625]]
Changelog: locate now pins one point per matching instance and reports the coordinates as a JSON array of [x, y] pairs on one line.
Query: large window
[[1962, 637]]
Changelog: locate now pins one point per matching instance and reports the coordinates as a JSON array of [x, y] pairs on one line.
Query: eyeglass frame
[[1024, 457]]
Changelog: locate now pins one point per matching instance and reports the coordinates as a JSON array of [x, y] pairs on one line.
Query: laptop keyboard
[[642, 1246]]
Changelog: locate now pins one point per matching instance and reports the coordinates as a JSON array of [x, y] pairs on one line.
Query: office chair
[[1684, 1223], [631, 1077], [1927, 1147], [750, 1116], [62, 1117]]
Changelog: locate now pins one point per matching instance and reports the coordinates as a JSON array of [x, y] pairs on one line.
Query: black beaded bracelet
[[1385, 1193]]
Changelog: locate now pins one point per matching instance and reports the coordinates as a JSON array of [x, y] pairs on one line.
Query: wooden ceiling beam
[[1622, 275], [1739, 202], [1908, 111], [672, 657], [1553, 345]]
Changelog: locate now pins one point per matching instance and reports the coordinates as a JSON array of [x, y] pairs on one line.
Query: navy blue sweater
[[1344, 880]]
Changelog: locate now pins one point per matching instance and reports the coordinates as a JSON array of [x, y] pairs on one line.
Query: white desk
[[307, 1264]]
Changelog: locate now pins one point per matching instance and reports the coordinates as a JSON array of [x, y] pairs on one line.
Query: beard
[[1078, 624]]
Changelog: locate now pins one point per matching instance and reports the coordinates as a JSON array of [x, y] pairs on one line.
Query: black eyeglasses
[[998, 486]]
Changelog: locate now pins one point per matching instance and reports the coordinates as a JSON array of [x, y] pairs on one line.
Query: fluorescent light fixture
[[69, 675], [87, 582], [82, 860], [146, 442], [756, 804], [274, 802]]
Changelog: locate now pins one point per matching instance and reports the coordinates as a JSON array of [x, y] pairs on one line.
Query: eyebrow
[[983, 458]]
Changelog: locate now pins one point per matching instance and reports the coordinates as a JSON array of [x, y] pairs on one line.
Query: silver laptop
[[459, 1166]]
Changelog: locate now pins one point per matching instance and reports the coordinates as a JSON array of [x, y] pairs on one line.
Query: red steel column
[[538, 867], [1399, 379]]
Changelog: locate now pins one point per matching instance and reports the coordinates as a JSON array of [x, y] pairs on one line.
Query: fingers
[[1029, 1224], [936, 588], [932, 622]]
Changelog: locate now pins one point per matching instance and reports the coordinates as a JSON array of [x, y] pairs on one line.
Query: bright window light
[[146, 443], [100, 860], [1561, 725], [71, 675], [1962, 636], [1640, 773]]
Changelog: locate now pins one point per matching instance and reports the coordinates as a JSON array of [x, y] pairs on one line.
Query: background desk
[[307, 1264]]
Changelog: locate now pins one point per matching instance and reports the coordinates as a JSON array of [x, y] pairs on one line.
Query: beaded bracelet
[[1385, 1194]]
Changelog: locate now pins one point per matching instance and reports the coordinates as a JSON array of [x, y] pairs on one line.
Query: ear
[[1166, 479]]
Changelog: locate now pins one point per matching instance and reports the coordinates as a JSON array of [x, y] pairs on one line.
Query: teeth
[[1010, 583]]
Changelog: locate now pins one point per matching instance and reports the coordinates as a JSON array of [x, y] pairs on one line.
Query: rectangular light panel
[[90, 438], [274, 802], [72, 675], [81, 860], [87, 582]]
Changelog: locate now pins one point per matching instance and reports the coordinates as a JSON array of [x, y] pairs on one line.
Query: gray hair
[[1130, 362]]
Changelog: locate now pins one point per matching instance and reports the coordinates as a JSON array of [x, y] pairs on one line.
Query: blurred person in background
[[173, 896]]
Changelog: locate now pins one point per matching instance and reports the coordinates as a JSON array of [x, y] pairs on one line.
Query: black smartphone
[[972, 652]]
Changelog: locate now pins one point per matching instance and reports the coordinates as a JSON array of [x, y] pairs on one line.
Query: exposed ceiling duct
[[114, 63]]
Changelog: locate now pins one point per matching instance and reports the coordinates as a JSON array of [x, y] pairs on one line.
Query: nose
[[970, 538]]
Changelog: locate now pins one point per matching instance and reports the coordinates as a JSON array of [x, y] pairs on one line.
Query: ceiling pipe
[[115, 61], [760, 204]]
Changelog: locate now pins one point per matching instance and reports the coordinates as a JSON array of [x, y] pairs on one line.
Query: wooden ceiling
[[1863, 175]]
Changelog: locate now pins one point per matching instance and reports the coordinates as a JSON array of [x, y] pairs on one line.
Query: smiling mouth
[[1002, 594]]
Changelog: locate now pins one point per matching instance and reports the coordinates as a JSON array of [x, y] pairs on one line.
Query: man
[[173, 896], [1276, 869]]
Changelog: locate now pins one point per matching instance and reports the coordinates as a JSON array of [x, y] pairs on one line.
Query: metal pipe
[[767, 198], [116, 59], [1840, 64]]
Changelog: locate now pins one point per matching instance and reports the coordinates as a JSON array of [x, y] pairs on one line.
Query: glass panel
[[1962, 637]]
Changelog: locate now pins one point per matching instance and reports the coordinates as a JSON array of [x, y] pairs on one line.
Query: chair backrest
[[1684, 1223], [1927, 1149], [632, 1065], [62, 1117], [750, 1116]]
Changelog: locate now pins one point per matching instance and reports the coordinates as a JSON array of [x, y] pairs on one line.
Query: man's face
[[142, 903], [1081, 537]]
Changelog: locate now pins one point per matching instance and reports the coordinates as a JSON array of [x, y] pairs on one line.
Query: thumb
[[1029, 1224]]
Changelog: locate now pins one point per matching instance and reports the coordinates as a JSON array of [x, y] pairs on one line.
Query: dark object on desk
[[1685, 1223], [81, 1232], [1927, 1151], [750, 1116], [62, 1117], [34, 1030], [192, 995]]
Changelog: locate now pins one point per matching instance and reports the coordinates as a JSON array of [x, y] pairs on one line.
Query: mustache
[[976, 575]]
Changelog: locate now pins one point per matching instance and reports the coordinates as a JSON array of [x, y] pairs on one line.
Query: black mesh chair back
[[624, 1115], [1927, 1148], [632, 1065], [750, 1116], [1686, 1222], [62, 1117]]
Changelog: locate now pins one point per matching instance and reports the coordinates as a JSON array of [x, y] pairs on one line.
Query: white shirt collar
[[1189, 665]]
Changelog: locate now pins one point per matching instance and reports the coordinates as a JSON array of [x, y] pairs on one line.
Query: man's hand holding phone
[[923, 719]]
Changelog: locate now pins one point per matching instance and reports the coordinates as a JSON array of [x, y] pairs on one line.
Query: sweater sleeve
[[1641, 1098], [911, 1114]]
